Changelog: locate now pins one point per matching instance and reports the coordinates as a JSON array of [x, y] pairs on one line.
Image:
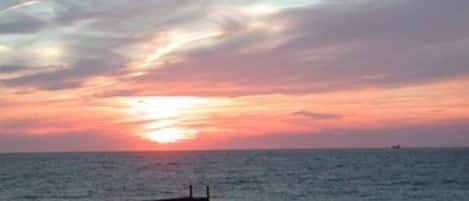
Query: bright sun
[[164, 116], [171, 135]]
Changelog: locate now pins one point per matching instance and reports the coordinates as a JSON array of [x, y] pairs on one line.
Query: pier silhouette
[[191, 197]]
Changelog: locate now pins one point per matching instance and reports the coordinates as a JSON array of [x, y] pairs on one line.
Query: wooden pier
[[191, 197]]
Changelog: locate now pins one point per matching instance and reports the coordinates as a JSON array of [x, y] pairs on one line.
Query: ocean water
[[267, 175]]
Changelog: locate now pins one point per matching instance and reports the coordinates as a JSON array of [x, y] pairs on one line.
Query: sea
[[413, 174]]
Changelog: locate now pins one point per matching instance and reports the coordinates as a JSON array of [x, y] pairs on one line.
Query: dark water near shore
[[322, 175]]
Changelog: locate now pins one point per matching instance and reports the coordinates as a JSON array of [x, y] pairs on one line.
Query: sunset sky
[[195, 74]]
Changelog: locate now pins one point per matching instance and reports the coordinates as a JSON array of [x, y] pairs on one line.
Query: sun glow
[[165, 117], [164, 107]]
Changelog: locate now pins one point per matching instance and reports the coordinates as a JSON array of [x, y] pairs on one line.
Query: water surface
[[268, 175]]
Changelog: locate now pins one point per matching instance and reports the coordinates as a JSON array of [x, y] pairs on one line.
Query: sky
[[195, 74]]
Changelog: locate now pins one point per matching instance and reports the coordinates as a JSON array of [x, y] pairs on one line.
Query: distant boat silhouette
[[397, 146]]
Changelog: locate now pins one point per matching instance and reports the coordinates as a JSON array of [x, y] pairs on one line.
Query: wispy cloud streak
[[21, 5]]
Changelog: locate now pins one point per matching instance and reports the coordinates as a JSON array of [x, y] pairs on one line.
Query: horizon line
[[229, 149]]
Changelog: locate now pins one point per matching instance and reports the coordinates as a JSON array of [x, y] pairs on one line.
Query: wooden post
[[190, 191], [208, 193]]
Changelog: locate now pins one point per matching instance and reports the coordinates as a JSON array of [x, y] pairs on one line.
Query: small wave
[[419, 183]]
